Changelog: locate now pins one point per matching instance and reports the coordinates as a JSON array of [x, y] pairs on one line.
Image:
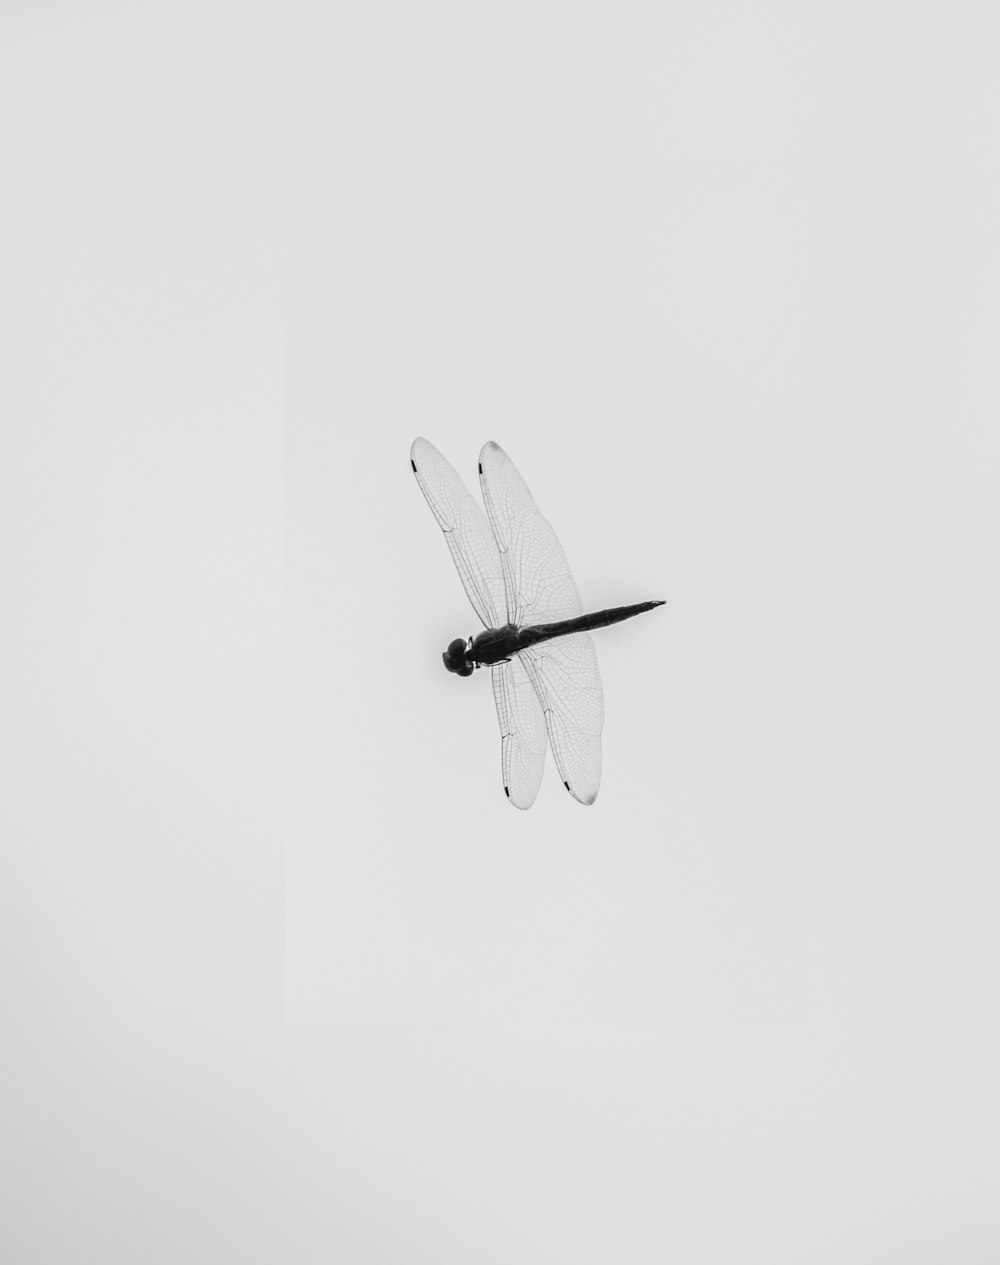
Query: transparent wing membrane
[[539, 587], [522, 732], [568, 684], [460, 517]]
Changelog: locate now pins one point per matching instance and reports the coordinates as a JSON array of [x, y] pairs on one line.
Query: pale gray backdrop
[[286, 978]]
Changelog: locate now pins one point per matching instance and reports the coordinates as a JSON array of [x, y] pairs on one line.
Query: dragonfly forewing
[[466, 529], [522, 730]]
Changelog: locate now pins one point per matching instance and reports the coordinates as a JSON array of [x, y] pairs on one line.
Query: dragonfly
[[536, 642]]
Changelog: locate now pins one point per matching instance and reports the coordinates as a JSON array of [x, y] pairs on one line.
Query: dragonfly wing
[[522, 729], [537, 582], [564, 674], [466, 530]]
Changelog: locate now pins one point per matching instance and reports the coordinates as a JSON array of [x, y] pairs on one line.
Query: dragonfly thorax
[[456, 658]]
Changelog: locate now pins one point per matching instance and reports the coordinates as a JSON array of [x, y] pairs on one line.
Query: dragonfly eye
[[455, 660]]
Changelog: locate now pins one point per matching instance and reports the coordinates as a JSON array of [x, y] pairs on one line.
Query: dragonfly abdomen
[[534, 633]]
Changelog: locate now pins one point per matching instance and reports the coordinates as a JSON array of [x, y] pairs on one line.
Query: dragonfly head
[[455, 658]]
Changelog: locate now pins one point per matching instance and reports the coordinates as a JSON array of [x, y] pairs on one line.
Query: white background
[[285, 977]]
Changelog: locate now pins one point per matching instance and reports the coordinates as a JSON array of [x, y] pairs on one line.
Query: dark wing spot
[[414, 465], [480, 467], [566, 784], [507, 791]]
